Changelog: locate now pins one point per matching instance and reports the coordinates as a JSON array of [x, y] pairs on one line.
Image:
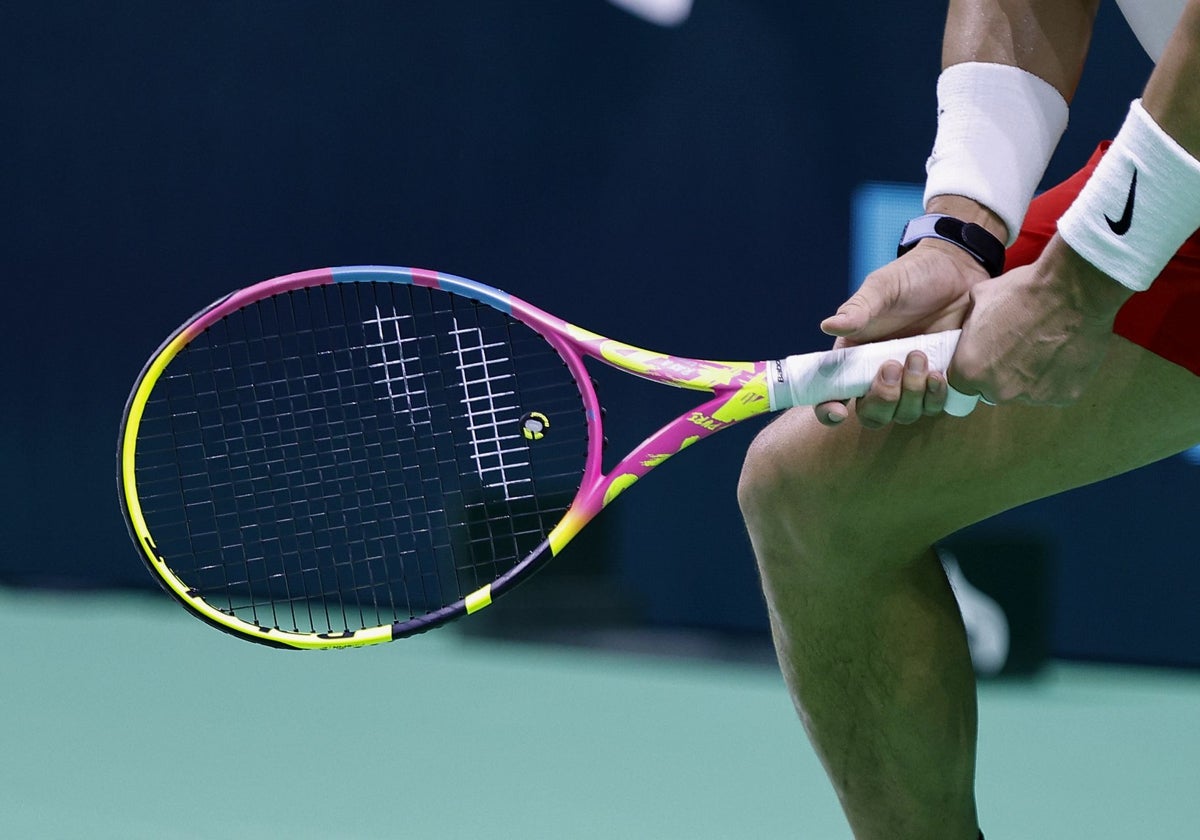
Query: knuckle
[[875, 414], [1010, 391], [967, 371], [858, 300], [935, 398], [969, 382], [891, 397], [878, 285], [931, 407], [908, 411]]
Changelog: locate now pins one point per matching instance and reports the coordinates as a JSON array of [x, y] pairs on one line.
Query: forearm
[[1046, 38], [1152, 169], [1010, 67], [1172, 96]]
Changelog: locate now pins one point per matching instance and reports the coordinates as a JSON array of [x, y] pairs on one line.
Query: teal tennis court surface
[[125, 718]]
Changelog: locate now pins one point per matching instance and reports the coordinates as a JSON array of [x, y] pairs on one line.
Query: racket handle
[[845, 373]]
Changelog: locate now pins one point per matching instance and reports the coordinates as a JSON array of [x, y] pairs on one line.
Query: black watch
[[987, 250]]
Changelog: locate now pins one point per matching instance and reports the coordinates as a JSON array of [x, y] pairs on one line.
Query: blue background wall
[[624, 176]]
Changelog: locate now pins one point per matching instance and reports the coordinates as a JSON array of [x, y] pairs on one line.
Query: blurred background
[[708, 181]]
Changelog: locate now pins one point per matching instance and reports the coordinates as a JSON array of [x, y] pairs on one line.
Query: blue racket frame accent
[[419, 277]]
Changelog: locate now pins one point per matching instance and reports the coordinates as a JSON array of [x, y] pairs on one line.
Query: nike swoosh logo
[[1121, 226]]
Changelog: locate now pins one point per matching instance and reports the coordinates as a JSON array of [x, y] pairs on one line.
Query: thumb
[[854, 315]]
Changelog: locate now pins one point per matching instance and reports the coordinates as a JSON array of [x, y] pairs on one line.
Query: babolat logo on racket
[[534, 425]]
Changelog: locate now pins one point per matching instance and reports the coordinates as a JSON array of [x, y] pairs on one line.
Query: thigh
[[916, 484]]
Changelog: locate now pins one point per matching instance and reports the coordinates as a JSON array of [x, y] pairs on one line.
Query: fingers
[[966, 374], [856, 314], [911, 294], [903, 393], [850, 317], [831, 413]]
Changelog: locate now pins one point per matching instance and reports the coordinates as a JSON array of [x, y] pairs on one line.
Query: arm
[[1038, 333], [1172, 96], [928, 288], [1048, 39]]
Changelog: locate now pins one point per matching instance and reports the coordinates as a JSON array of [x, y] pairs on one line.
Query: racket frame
[[740, 391]]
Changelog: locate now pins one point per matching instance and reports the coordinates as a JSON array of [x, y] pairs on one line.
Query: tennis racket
[[349, 456]]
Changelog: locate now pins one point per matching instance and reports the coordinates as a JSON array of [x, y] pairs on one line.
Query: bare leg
[[868, 634]]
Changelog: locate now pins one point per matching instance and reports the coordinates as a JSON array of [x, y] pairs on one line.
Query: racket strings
[[348, 456], [409, 392]]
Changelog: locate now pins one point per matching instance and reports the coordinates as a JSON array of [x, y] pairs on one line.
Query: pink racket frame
[[740, 390]]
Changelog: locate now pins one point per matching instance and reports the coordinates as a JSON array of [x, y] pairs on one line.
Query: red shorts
[[1165, 319]]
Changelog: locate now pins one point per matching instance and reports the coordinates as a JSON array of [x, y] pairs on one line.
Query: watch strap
[[986, 249]]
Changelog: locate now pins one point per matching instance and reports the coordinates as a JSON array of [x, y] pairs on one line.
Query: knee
[[776, 486], [791, 526], [831, 507], [819, 510]]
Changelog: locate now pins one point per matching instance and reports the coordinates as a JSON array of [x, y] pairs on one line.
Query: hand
[[1038, 332], [926, 290]]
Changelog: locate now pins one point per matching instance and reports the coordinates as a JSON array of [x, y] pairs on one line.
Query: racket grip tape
[[847, 372]]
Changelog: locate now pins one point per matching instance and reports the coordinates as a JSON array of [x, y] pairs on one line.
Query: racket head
[[348, 456]]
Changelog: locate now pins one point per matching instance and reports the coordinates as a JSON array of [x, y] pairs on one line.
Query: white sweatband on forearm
[[998, 125], [1140, 205]]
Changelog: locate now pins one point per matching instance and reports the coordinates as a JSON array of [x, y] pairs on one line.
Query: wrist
[[1138, 207], [969, 210], [977, 242], [969, 268], [1087, 289]]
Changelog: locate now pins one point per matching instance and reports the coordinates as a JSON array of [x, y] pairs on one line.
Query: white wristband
[[998, 125], [1139, 206]]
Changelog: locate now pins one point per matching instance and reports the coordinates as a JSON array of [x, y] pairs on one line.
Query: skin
[[844, 503], [868, 634], [1036, 333]]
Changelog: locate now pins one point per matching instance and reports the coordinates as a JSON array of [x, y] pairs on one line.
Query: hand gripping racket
[[354, 455]]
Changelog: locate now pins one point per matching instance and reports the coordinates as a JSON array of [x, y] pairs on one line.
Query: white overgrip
[[846, 373]]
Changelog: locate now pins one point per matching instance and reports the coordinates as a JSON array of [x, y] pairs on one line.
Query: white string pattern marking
[[396, 372], [488, 405]]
